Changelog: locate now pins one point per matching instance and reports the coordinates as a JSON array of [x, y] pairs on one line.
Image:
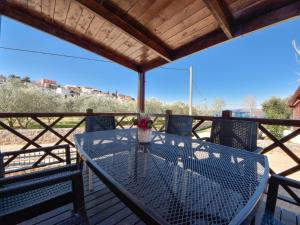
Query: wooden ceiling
[[144, 34]]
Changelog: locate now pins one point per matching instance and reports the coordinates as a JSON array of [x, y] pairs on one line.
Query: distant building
[[86, 90], [245, 113], [96, 91], [104, 94], [124, 97], [89, 90], [240, 113], [62, 91], [48, 83], [72, 88], [294, 103]]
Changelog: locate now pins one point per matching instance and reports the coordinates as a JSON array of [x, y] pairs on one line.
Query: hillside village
[[68, 90]]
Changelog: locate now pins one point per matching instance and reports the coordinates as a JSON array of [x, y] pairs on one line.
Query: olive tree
[[153, 105], [100, 104], [277, 108], [22, 97]]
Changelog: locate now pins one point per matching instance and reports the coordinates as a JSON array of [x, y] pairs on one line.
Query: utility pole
[[191, 91]]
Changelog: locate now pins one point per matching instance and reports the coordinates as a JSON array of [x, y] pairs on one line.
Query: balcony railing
[[52, 122]]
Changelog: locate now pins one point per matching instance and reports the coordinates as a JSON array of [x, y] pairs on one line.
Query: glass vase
[[144, 135]]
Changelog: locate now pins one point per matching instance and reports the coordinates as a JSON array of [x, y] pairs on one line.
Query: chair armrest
[[38, 174], [42, 149], [46, 150], [28, 186]]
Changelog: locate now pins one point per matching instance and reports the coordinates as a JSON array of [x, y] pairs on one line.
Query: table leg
[[84, 167], [253, 221], [90, 179]]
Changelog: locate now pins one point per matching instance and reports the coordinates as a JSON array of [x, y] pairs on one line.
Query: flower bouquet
[[144, 124]]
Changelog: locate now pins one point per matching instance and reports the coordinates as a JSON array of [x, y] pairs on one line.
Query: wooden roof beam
[[198, 44], [130, 27], [33, 19], [268, 17], [244, 27], [221, 14]]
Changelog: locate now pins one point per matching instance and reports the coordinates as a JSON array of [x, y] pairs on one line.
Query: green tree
[[277, 108], [153, 105], [18, 97]]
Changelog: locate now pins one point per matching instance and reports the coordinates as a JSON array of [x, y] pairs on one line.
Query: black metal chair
[[99, 123], [274, 182], [239, 134], [28, 195], [14, 162], [180, 125]]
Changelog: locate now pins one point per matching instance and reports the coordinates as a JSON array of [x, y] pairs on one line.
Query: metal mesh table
[[177, 180]]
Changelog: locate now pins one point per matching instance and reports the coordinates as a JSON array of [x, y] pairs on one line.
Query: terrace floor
[[103, 207]]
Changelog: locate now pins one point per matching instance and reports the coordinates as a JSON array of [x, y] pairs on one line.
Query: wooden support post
[[226, 114], [141, 93]]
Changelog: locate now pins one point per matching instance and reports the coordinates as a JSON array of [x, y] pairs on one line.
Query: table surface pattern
[[178, 180]]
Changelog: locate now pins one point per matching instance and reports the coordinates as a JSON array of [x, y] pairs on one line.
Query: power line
[[72, 56], [55, 54], [195, 85], [173, 68]]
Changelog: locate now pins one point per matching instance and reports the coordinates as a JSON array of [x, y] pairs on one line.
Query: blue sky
[[261, 64]]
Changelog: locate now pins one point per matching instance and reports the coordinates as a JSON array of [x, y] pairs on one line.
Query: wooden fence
[[124, 120]]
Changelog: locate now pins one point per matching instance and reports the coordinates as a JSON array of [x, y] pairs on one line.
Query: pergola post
[[141, 93]]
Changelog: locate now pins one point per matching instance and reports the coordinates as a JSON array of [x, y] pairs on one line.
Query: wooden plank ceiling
[[144, 34]]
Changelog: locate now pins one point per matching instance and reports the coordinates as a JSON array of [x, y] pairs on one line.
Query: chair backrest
[[235, 133], [98, 123], [180, 125]]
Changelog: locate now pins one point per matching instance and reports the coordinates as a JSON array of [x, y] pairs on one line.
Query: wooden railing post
[[168, 113], [226, 114], [89, 111]]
